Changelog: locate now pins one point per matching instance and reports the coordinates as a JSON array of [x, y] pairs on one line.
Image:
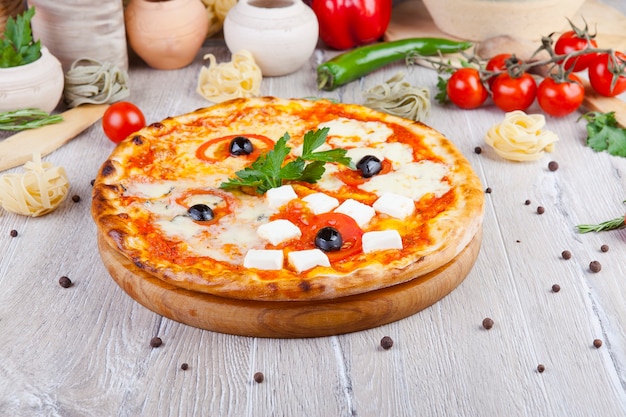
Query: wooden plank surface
[[84, 350]]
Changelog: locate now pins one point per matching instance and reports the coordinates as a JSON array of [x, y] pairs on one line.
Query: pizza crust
[[121, 225]]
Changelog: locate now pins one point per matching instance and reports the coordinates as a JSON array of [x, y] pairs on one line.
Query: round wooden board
[[289, 319]]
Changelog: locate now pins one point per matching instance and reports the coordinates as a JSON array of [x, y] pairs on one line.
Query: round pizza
[[287, 200]]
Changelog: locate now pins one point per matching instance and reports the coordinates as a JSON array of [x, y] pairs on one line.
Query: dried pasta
[[399, 98], [520, 137], [227, 80], [37, 191], [89, 81], [217, 10]]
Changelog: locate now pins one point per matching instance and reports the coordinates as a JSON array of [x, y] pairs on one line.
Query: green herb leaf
[[442, 93], [18, 47], [604, 134], [269, 170]]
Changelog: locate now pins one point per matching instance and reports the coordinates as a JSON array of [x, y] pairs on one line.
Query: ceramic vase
[[280, 34], [166, 34], [35, 85]]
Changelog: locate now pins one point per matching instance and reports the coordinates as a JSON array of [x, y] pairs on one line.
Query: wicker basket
[[9, 8]]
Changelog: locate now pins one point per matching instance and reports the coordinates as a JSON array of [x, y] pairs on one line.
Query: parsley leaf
[[269, 170], [442, 93], [17, 46], [604, 134]]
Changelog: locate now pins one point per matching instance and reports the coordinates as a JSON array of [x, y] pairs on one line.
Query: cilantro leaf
[[270, 170], [17, 46], [604, 134]]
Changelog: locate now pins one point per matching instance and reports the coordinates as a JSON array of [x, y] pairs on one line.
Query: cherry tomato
[[497, 63], [465, 88], [560, 98], [601, 75], [122, 119], [570, 42], [513, 93]]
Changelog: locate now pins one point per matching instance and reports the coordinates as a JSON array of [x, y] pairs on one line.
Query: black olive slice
[[328, 239], [369, 166], [200, 212], [240, 145]]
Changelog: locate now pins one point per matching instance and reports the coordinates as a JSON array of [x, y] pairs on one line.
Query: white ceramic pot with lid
[[280, 34]]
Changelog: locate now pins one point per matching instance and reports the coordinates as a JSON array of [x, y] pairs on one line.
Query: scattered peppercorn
[[65, 282], [487, 323], [556, 288], [488, 190], [540, 368], [259, 377], [595, 266], [541, 210], [597, 343], [604, 248], [76, 198], [478, 150], [553, 165], [155, 342], [93, 182], [386, 342], [527, 202], [184, 366], [566, 254], [13, 233]]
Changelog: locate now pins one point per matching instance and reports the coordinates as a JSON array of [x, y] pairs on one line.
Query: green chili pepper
[[360, 61]]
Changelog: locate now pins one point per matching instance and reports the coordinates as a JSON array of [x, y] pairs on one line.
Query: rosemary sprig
[[27, 119]]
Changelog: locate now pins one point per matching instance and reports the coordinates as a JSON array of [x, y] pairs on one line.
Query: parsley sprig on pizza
[[269, 169]]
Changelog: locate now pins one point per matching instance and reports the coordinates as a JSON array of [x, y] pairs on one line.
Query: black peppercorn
[[13, 233], [76, 198], [597, 343], [604, 248], [556, 288], [540, 368], [541, 210], [184, 366], [488, 323], [566, 254], [155, 342], [595, 266], [478, 150], [259, 377], [553, 165], [65, 282], [386, 342]]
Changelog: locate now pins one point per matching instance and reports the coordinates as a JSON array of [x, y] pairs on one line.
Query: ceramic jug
[[280, 34]]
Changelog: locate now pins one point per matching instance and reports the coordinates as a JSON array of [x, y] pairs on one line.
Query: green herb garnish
[[268, 170], [604, 134], [27, 119], [17, 47]]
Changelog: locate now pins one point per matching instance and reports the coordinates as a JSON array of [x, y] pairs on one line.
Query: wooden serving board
[[289, 319]]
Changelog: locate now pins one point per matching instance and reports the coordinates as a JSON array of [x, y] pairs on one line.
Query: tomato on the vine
[[606, 74], [562, 97], [122, 119], [570, 42], [513, 93], [465, 88], [497, 62]]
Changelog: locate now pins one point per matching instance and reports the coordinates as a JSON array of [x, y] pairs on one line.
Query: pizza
[[287, 200]]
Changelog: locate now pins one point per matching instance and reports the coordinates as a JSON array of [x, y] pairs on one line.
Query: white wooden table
[[85, 350]]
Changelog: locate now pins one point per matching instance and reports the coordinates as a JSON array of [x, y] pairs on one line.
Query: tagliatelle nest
[[240, 78], [399, 98], [520, 137], [37, 191], [217, 10]]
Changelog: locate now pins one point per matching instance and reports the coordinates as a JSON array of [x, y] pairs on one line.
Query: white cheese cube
[[278, 231], [320, 203], [303, 260], [381, 240], [394, 205], [361, 213], [279, 196], [266, 259]]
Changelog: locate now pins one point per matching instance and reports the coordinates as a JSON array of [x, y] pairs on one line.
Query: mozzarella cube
[[303, 260], [266, 259], [279, 196], [381, 240], [394, 205], [320, 203], [361, 213], [278, 231]]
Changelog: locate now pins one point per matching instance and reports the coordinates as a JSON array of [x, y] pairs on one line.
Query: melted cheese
[[349, 133], [413, 180]]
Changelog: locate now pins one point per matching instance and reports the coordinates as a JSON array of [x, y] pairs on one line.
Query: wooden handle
[[19, 148], [596, 102]]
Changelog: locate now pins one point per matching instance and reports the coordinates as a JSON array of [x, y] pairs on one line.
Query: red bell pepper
[[345, 24]]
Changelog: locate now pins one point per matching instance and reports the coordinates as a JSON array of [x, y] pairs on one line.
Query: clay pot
[[35, 85], [280, 34], [478, 20], [166, 34]]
